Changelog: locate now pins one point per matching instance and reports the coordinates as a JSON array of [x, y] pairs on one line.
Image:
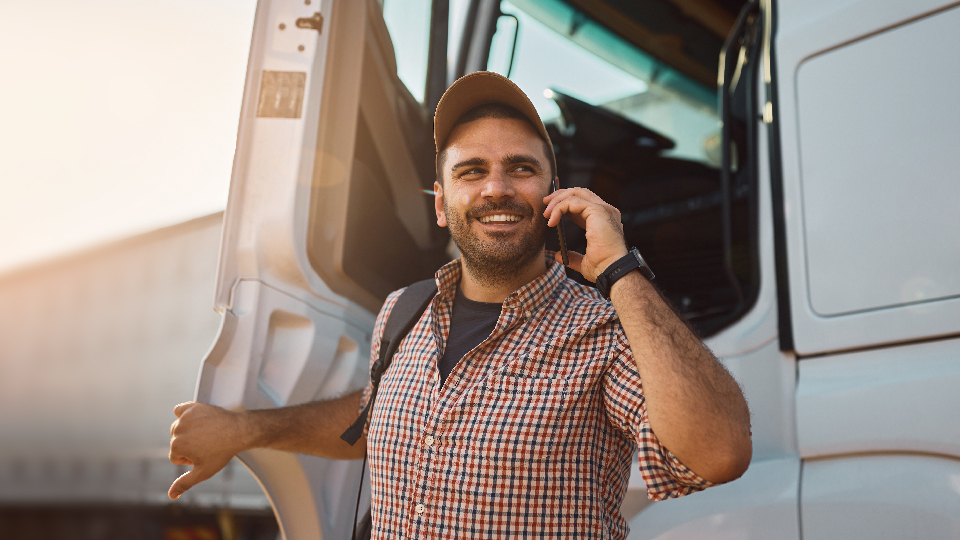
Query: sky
[[118, 117]]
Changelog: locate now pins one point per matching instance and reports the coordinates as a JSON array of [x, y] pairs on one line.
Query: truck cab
[[788, 170]]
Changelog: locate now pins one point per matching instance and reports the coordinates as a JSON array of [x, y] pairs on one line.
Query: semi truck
[[788, 169]]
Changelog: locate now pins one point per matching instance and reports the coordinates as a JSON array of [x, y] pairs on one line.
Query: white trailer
[[95, 350], [803, 212]]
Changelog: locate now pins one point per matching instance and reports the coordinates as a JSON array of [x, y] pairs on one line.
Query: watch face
[[644, 267]]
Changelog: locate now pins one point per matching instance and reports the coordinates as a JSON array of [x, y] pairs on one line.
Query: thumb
[[186, 481], [575, 260]]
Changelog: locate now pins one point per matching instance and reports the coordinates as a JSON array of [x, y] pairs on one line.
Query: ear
[[438, 204]]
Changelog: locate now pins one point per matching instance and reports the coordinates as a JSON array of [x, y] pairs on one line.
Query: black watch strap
[[623, 266]]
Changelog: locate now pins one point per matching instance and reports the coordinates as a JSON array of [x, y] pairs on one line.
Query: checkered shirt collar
[[528, 298]]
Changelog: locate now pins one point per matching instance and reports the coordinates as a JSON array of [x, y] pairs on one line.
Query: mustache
[[506, 206]]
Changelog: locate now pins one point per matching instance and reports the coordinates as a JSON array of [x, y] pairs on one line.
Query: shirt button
[[527, 314], [436, 376], [428, 440], [420, 508]]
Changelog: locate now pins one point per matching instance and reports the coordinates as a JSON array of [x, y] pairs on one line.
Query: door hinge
[[315, 22]]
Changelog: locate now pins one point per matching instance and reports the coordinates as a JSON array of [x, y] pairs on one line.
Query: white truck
[[801, 209]]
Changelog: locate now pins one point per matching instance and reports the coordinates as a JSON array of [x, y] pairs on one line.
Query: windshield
[[560, 48]]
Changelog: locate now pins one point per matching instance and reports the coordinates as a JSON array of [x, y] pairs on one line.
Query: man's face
[[495, 176]]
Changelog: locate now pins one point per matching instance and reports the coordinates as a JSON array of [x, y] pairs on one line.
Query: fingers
[[177, 445], [180, 460], [182, 407], [577, 204], [573, 207], [178, 411], [177, 454], [583, 193], [602, 226]]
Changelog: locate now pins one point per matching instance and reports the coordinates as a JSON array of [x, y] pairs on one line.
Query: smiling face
[[495, 176]]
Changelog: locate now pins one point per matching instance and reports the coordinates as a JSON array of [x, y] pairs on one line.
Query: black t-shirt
[[470, 323]]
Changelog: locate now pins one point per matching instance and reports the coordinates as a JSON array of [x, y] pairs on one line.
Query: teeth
[[499, 217]]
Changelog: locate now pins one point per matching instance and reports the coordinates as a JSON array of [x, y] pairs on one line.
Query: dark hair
[[492, 110]]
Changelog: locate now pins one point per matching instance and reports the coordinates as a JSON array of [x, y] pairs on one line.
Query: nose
[[498, 185]]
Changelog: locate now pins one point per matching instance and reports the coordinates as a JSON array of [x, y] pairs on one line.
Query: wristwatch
[[620, 268]]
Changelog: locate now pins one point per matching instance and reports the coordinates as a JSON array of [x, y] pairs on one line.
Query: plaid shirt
[[533, 431]]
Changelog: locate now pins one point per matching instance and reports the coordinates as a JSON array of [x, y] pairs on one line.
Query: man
[[515, 404]]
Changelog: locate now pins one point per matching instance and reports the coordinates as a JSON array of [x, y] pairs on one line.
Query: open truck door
[[325, 198]]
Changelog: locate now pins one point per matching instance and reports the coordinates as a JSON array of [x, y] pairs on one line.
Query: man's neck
[[482, 291]]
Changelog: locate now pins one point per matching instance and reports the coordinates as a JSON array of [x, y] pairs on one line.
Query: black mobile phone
[[563, 242]]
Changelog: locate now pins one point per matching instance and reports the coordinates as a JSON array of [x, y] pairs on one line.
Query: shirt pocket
[[515, 421]]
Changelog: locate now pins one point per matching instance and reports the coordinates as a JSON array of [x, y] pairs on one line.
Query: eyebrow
[[511, 159], [469, 162]]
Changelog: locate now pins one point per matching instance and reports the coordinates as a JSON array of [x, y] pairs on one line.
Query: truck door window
[[408, 22]]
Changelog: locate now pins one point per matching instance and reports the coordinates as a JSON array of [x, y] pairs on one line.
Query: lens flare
[[428, 192], [466, 199]]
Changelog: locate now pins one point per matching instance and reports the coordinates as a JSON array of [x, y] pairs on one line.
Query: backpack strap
[[411, 304]]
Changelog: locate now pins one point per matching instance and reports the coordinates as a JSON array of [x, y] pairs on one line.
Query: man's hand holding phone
[[601, 221]]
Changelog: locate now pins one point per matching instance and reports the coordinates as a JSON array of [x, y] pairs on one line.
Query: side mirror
[[499, 46]]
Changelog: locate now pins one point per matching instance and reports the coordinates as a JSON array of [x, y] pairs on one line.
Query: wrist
[[251, 430], [610, 261], [620, 268]]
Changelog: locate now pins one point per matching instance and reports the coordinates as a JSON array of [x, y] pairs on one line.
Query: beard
[[501, 256]]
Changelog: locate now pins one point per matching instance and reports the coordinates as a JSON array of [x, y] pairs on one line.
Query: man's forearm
[[207, 437], [312, 428], [695, 406]]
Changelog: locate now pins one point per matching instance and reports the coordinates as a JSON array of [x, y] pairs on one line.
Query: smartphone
[[563, 242]]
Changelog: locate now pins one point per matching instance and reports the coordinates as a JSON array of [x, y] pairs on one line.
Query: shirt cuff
[[664, 475]]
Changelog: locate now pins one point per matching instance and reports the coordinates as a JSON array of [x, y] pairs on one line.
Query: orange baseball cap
[[481, 88]]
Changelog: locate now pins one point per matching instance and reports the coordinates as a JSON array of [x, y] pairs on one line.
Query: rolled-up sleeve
[[664, 475]]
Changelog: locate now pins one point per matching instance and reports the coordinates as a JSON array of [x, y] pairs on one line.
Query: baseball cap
[[481, 88]]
